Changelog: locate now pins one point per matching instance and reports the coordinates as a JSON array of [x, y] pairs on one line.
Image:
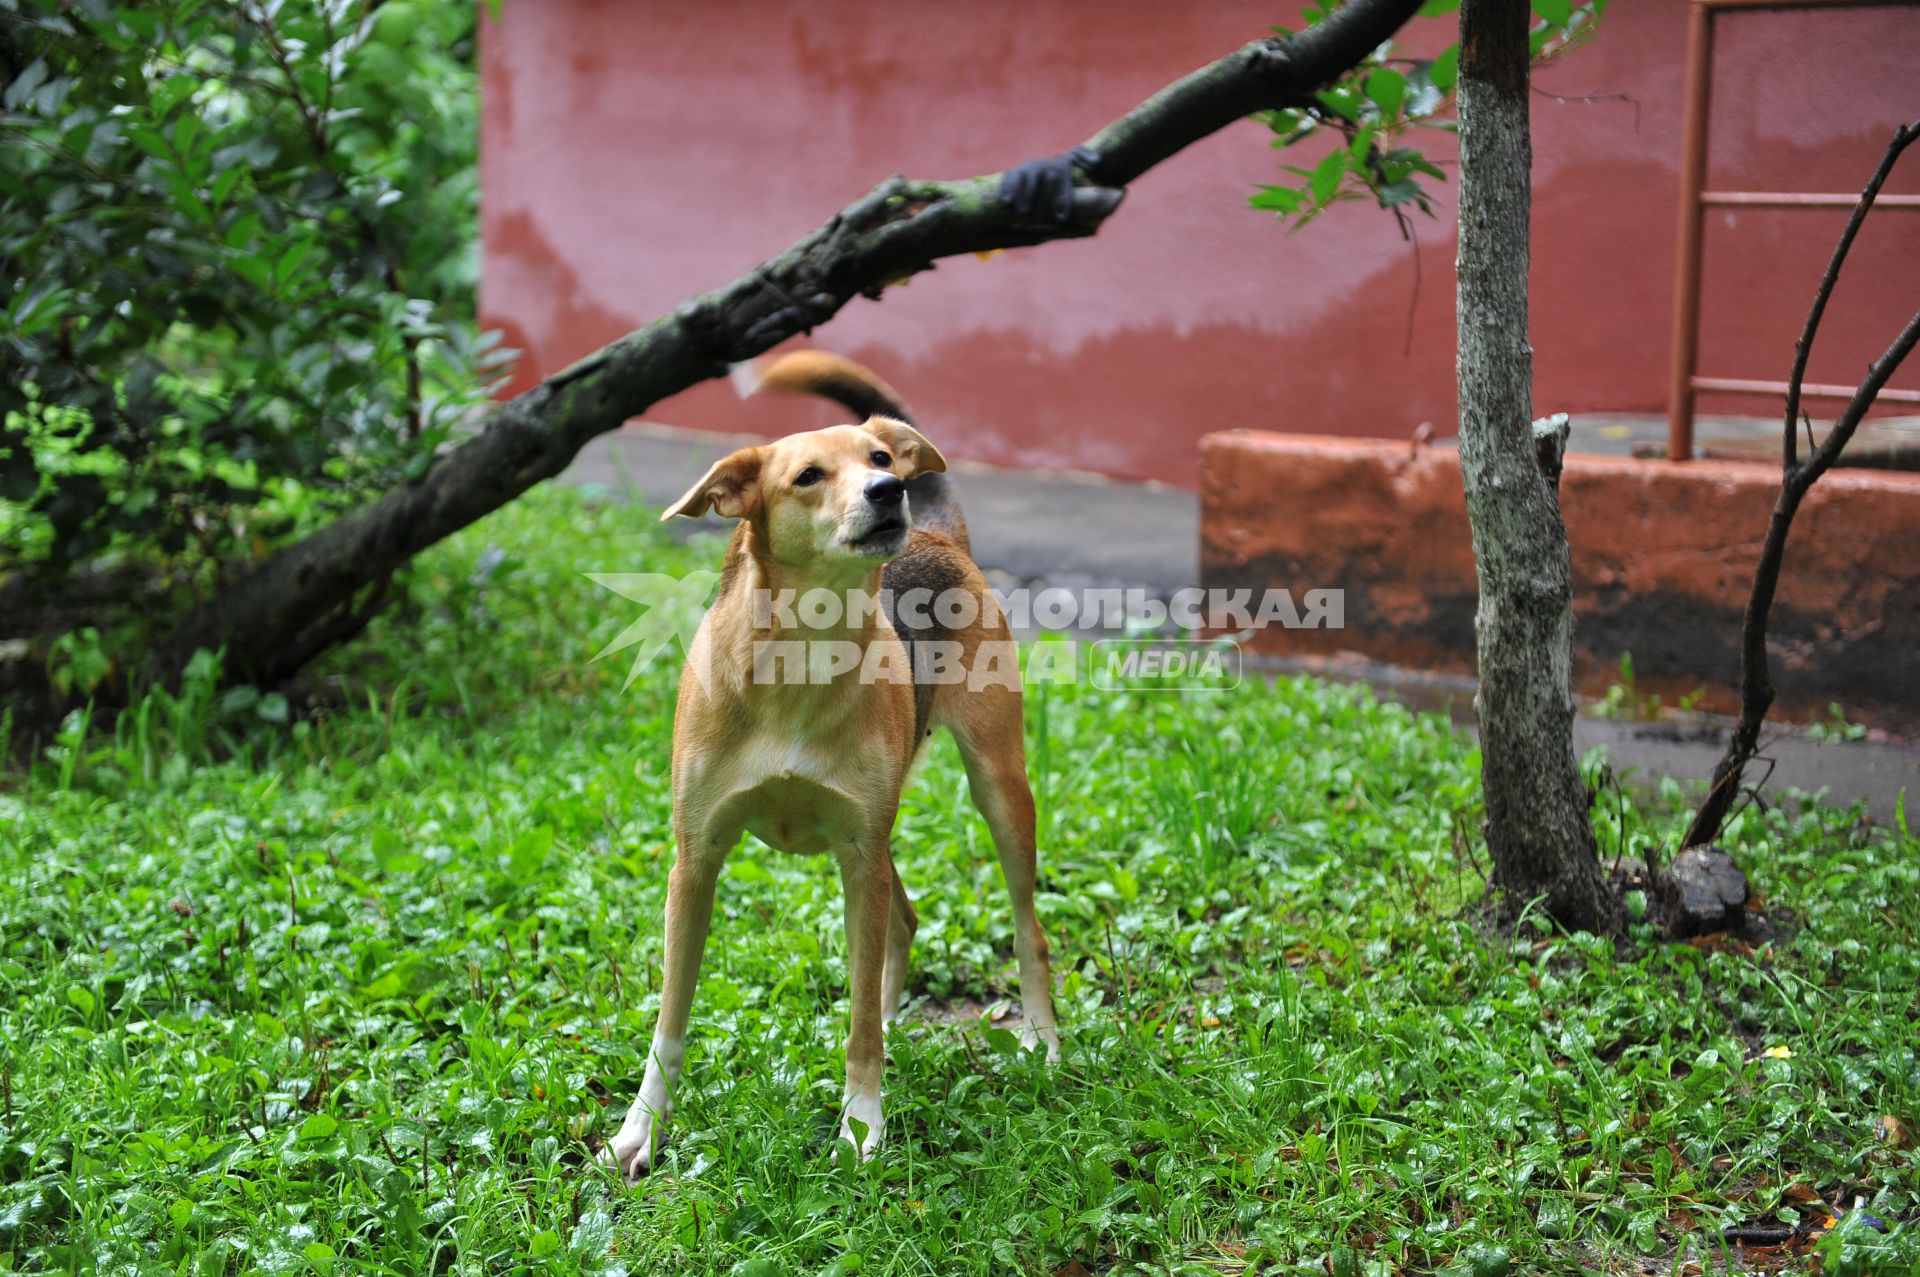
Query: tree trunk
[[1537, 825], [323, 589]]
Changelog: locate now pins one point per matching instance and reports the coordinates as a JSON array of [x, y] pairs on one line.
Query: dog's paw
[[1046, 1035], [632, 1163], [860, 1124], [631, 1151]]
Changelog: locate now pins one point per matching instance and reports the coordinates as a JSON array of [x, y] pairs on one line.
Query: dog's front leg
[[866, 873], [690, 886]]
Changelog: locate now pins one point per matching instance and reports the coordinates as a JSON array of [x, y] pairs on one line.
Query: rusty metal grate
[[1694, 200]]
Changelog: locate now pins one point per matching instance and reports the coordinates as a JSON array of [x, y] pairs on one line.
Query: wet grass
[[359, 988]]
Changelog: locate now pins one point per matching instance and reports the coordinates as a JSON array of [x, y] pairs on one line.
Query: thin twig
[[316, 126], [1413, 302], [1590, 98], [1804, 347], [1756, 683]]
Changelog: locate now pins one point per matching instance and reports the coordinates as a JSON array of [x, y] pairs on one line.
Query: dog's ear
[[730, 488], [915, 454]]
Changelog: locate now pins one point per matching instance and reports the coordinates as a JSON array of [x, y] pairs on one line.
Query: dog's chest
[[796, 796]]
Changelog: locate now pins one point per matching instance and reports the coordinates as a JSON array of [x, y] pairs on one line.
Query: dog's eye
[[808, 477], [882, 460]]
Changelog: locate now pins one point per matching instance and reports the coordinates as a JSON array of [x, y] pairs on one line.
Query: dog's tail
[[817, 372], [931, 497]]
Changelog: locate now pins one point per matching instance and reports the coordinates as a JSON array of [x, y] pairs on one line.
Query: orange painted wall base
[[1663, 557]]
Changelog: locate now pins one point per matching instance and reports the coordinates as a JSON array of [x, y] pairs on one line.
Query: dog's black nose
[[885, 490]]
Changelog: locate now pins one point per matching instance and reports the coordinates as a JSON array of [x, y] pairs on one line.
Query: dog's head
[[828, 497]]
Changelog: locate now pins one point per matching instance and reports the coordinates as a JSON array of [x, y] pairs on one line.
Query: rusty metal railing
[[1694, 200]]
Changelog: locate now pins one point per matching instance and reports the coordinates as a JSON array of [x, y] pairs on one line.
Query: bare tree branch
[[1804, 347], [1756, 681]]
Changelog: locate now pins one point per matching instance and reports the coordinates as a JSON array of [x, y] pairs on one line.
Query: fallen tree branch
[[899, 229], [1756, 682]]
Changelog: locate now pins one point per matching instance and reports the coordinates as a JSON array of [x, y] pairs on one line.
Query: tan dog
[[816, 765]]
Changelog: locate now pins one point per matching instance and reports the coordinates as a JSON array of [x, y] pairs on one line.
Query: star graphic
[[674, 606]]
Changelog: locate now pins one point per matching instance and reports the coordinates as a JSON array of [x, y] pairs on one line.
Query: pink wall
[[636, 154]]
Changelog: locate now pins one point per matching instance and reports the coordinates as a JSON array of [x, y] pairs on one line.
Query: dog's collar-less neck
[[764, 581]]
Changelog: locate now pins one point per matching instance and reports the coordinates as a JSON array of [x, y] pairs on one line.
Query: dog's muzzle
[[886, 530]]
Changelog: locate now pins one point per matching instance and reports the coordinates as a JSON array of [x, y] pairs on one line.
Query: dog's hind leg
[[902, 922], [986, 724], [690, 887]]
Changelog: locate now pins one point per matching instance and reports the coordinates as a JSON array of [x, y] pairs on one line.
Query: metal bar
[[1686, 270], [1803, 199], [1802, 4], [1742, 386]]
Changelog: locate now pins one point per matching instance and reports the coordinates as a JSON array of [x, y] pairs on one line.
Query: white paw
[[864, 1109], [632, 1149], [1031, 1037]]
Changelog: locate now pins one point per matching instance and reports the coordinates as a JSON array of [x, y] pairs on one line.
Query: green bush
[[238, 241]]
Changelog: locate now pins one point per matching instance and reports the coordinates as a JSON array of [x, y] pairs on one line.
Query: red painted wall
[[635, 154]]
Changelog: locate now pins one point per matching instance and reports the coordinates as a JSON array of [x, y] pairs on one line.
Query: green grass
[[356, 991]]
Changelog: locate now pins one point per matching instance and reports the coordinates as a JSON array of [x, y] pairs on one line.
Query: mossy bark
[[1537, 824]]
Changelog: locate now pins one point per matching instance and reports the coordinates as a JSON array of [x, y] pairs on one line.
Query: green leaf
[[152, 141], [1343, 102], [1445, 72], [543, 1243], [171, 92], [186, 198], [757, 1266], [241, 232], [318, 1127], [25, 83], [223, 185], [255, 271], [1404, 191], [1327, 174], [1439, 8], [1283, 199], [185, 130], [286, 268], [320, 1255], [593, 1235], [243, 696], [1558, 12], [1362, 144], [1387, 89], [528, 853], [82, 998]]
